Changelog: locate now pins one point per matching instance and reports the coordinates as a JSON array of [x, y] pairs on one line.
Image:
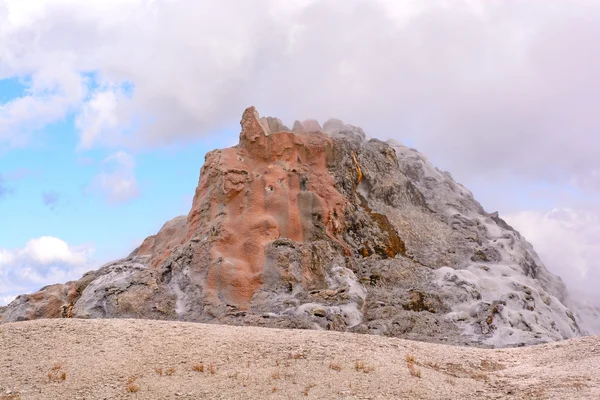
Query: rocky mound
[[320, 228]]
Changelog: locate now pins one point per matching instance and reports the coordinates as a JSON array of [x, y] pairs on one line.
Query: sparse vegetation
[[412, 368], [212, 369], [414, 371], [159, 371], [57, 374], [276, 375], [361, 366], [131, 385], [198, 367], [170, 371]]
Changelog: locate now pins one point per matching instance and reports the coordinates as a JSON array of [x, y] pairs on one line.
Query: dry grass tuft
[[56, 373], [198, 367], [414, 371], [170, 371], [335, 366], [410, 364], [132, 386], [159, 371], [362, 366]]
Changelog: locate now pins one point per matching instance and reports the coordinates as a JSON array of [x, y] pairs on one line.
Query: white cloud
[[51, 95], [47, 249], [508, 86], [42, 261], [97, 118], [567, 242], [6, 257], [116, 182]]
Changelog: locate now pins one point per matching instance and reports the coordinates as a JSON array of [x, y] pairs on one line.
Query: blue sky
[[108, 107], [52, 165]]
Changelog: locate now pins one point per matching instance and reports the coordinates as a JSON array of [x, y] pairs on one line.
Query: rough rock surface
[[321, 228]]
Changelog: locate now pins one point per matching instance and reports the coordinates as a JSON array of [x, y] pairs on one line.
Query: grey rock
[[411, 254]]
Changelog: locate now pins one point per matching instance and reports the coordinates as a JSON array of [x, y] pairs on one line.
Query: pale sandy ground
[[99, 357]]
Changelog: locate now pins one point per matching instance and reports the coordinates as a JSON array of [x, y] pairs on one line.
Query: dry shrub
[[132, 386], [410, 364], [170, 371], [159, 371], [276, 375], [56, 373], [362, 366], [212, 369], [198, 367], [295, 356], [414, 371]]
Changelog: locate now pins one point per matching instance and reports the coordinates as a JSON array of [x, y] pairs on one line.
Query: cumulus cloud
[[51, 95], [42, 261], [98, 120], [567, 242], [116, 182], [508, 86]]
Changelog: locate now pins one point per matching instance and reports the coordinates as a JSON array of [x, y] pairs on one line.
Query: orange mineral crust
[[272, 185]]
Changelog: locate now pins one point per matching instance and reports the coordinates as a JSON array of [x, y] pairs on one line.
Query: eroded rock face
[[322, 228]]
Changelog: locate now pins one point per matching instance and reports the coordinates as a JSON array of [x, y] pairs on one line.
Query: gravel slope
[[111, 359]]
